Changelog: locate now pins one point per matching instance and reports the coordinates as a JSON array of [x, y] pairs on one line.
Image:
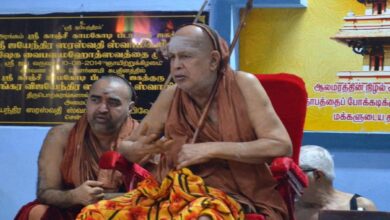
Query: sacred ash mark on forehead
[[179, 43], [110, 88]]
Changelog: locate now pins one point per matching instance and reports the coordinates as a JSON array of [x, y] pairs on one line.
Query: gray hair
[[316, 157]]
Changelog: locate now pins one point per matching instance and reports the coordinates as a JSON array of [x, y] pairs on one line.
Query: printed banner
[[346, 92], [48, 62]]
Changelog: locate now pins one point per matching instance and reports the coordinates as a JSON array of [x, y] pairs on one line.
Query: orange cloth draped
[[51, 213], [250, 184], [181, 195], [80, 163], [81, 157]]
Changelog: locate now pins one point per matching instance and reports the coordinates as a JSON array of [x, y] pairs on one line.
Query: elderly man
[[320, 195], [241, 134], [69, 176]]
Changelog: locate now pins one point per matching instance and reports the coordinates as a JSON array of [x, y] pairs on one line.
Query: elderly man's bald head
[[198, 36], [193, 59]]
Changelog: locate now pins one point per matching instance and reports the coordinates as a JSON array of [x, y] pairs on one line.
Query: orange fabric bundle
[[182, 195]]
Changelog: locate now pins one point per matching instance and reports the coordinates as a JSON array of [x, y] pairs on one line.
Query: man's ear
[[318, 174], [131, 106], [215, 60]]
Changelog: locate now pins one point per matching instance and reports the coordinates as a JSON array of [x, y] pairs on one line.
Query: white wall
[[19, 148]]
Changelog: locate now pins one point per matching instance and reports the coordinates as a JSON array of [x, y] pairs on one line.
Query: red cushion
[[289, 97], [281, 165]]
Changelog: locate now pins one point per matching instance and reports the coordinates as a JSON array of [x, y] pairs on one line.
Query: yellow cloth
[[182, 195]]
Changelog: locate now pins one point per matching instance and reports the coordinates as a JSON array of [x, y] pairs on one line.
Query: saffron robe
[[252, 185], [82, 146]]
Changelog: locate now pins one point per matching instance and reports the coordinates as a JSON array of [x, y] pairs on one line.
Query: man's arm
[[146, 140], [272, 137], [50, 188]]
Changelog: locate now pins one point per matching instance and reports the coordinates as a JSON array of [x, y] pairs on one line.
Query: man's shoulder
[[245, 76], [62, 129], [158, 113], [247, 80], [166, 95], [365, 203], [169, 91], [248, 83], [65, 126], [57, 138]]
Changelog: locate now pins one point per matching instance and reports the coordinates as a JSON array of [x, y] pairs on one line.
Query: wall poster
[[48, 62], [341, 49]]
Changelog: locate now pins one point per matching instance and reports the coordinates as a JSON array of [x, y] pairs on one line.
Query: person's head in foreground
[[318, 165]]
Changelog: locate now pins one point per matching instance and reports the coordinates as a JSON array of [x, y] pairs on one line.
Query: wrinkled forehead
[[183, 43]]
